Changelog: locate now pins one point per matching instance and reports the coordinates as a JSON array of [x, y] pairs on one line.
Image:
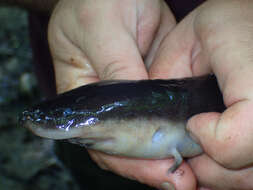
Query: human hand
[[217, 37], [93, 40], [98, 40]]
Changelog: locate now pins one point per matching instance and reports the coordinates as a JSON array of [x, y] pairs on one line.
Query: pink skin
[[93, 40]]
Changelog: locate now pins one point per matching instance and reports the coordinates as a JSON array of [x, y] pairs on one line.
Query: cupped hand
[[92, 40], [217, 37]]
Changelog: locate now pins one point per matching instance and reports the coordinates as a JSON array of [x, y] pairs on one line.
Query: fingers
[[220, 41], [210, 45], [151, 172], [179, 52], [219, 178], [96, 41], [167, 23], [72, 66], [227, 137], [173, 59], [112, 48]]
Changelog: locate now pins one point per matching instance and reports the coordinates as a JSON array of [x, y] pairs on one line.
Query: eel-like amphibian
[[142, 119]]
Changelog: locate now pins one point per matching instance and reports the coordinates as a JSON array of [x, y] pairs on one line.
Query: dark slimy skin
[[143, 119]]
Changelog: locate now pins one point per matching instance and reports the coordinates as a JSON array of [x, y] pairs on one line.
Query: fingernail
[[167, 186]]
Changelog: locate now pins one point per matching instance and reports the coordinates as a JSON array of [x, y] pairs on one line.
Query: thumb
[[226, 136]]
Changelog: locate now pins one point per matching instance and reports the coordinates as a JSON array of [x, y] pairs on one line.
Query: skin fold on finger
[[167, 23], [151, 172]]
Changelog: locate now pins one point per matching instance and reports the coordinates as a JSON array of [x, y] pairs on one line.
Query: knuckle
[[112, 70]]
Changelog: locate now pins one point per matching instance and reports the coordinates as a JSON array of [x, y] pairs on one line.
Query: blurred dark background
[[26, 161]]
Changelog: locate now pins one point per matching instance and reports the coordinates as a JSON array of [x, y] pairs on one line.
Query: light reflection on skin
[[110, 107], [67, 126], [88, 122]]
